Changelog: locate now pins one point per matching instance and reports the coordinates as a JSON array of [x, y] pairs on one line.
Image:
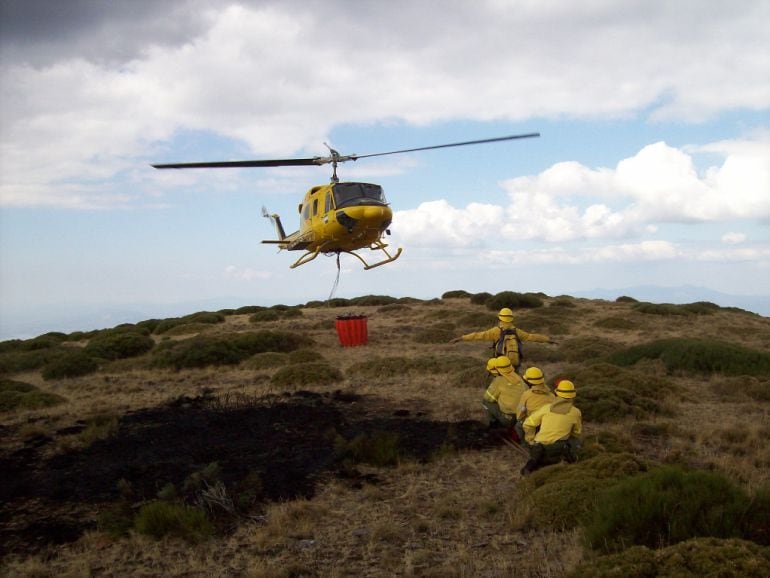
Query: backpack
[[501, 345]]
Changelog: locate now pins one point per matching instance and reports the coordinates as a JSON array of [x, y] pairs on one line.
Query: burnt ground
[[287, 443]]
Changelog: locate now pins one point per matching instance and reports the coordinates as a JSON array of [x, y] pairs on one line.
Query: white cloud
[[733, 238], [246, 274], [623, 253], [259, 72]]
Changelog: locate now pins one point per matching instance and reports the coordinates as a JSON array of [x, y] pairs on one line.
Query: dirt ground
[[288, 441]]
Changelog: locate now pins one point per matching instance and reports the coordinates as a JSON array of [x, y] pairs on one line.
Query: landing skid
[[376, 246]]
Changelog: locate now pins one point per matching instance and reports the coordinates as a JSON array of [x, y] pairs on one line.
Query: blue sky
[[652, 169]]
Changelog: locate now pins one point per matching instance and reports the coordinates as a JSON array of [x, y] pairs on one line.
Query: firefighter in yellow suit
[[502, 396], [534, 398], [506, 338], [553, 431]]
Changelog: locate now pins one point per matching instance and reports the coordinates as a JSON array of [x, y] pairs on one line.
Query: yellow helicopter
[[339, 217]]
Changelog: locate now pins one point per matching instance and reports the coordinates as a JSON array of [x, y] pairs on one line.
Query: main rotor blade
[[245, 164], [456, 144]]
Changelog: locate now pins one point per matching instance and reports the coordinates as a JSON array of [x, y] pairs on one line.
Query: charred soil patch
[[289, 442]]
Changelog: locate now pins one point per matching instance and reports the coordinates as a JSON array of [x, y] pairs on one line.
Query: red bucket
[[352, 330]]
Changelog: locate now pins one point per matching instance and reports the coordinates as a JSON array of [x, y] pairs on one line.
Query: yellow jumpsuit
[[511, 347]]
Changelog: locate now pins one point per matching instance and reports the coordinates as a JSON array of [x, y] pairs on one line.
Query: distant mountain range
[[24, 325], [759, 304]]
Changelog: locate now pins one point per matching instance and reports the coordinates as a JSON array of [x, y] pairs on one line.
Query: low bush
[[306, 374], [514, 300], [394, 308], [669, 309], [16, 361], [305, 356], [699, 356], [266, 360], [565, 302], [119, 345], [564, 495], [665, 309], [626, 299], [249, 310], [21, 395], [160, 519], [369, 300], [480, 298], [616, 323], [73, 363], [664, 506], [200, 317], [202, 351], [695, 558], [609, 393], [275, 313], [266, 315], [456, 294]]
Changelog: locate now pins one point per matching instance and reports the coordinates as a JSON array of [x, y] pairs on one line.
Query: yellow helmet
[[503, 365], [534, 376], [505, 315], [566, 389], [491, 367]]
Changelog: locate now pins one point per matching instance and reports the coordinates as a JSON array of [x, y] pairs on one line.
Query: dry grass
[[459, 515]]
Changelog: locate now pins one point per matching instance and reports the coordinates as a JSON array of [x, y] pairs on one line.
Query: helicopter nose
[[372, 213]]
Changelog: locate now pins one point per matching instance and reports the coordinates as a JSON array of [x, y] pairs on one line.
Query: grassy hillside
[[248, 442]]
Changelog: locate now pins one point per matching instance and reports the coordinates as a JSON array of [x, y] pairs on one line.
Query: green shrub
[[72, 363], [200, 317], [514, 300], [566, 302], [306, 374], [266, 360], [664, 506], [202, 351], [368, 300], [626, 299], [378, 449], [665, 309], [266, 315], [119, 345], [394, 308], [456, 294], [305, 356], [695, 558], [16, 361], [249, 310], [480, 298], [564, 495], [21, 395], [698, 355], [159, 519], [618, 323]]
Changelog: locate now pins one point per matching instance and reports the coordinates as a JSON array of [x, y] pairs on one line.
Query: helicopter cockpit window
[[347, 194], [315, 207], [306, 212]]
